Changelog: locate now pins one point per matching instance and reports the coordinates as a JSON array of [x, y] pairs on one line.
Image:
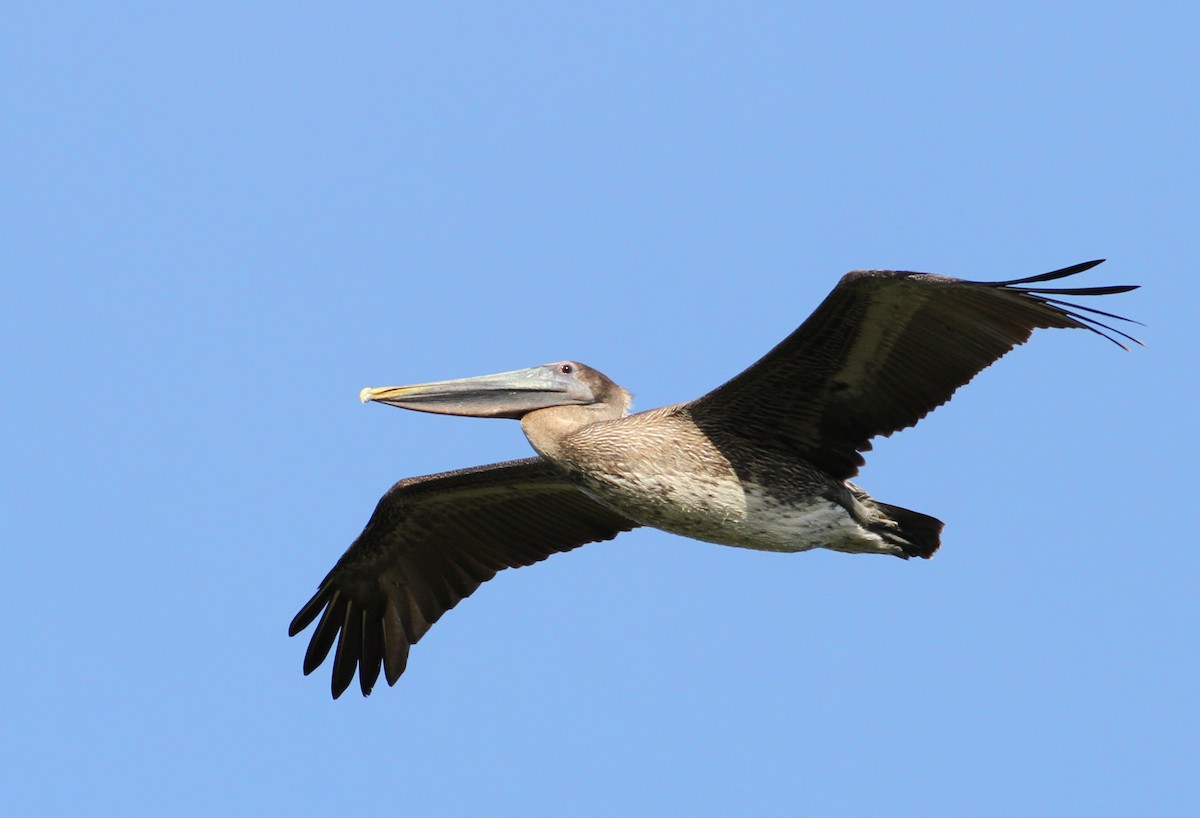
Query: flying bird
[[762, 462]]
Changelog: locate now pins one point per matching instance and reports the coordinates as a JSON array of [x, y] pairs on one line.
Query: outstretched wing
[[431, 542], [883, 350]]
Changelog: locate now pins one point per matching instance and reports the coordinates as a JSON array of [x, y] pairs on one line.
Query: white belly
[[670, 476], [726, 512]]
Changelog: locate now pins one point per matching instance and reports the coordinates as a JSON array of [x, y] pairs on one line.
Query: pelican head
[[509, 394]]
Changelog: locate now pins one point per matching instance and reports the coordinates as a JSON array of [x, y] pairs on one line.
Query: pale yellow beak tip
[[365, 394]]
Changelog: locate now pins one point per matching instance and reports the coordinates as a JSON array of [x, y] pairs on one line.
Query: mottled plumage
[[762, 462]]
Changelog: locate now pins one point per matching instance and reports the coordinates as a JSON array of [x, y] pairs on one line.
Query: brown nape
[[604, 388]]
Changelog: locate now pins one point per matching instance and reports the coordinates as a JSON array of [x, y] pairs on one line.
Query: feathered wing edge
[[1068, 308], [430, 543], [883, 350]]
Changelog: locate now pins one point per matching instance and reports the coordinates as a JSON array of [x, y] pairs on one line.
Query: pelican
[[762, 462]]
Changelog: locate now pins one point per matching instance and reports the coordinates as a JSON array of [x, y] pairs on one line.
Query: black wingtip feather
[[372, 653], [1067, 308], [349, 648], [1052, 275], [1093, 310], [311, 610], [395, 644], [1112, 289], [326, 632]]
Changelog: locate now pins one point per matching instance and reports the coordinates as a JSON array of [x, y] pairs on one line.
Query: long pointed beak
[[503, 395]]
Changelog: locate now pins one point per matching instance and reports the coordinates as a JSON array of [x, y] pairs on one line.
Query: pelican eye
[[566, 369]]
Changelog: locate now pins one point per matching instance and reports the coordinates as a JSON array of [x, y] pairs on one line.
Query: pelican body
[[662, 469], [762, 462]]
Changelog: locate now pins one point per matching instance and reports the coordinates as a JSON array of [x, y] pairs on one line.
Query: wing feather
[[883, 350], [430, 543]]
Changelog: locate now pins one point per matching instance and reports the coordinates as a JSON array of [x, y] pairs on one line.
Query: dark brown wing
[[430, 543], [882, 351]]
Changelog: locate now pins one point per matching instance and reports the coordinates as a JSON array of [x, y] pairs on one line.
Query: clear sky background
[[221, 220]]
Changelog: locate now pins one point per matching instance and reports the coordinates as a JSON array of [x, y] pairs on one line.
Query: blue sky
[[222, 220]]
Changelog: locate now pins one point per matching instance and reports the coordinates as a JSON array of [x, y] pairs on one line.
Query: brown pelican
[[763, 461]]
